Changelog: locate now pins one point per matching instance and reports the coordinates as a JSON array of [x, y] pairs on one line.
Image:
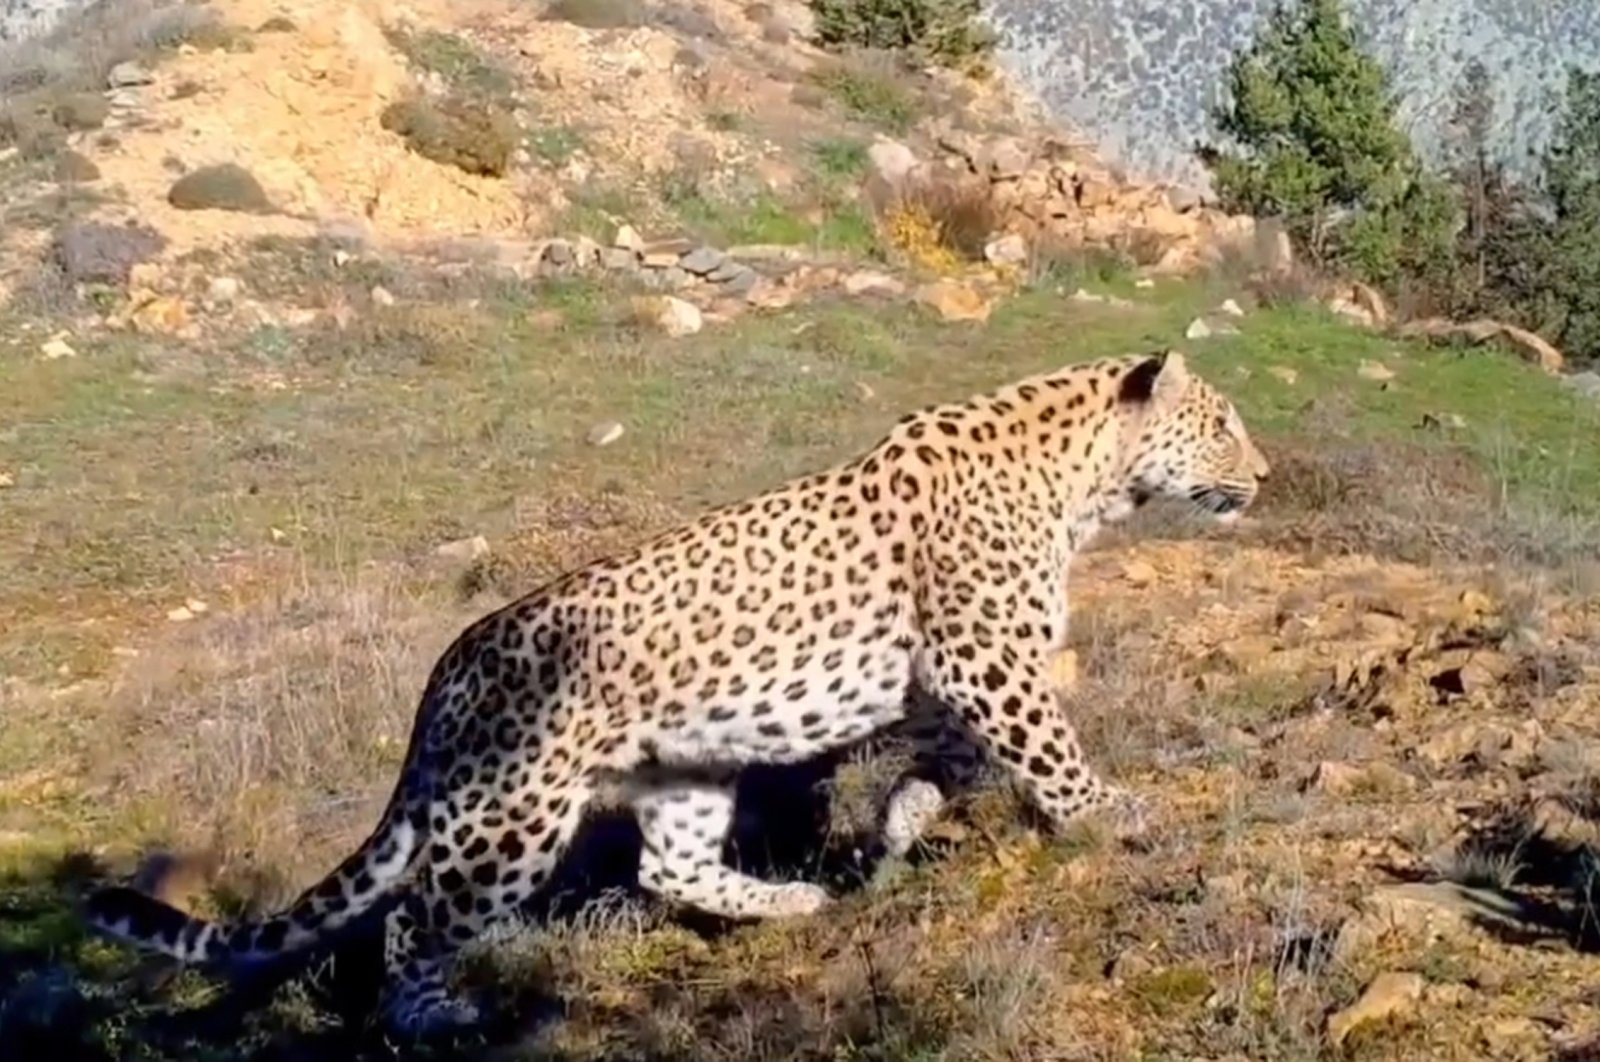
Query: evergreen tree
[[1314, 141], [1571, 277]]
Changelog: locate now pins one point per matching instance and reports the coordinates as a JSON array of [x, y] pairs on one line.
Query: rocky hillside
[[1138, 75]]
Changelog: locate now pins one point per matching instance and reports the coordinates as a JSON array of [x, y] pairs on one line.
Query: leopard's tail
[[351, 889]]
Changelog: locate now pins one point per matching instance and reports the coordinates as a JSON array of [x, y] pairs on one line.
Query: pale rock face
[[1137, 76], [22, 19]]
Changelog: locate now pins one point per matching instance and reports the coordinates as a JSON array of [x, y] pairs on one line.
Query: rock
[[671, 279], [605, 434], [1342, 779], [627, 238], [56, 347], [1586, 384], [670, 314], [1284, 373], [768, 294], [1527, 345], [558, 253], [1479, 672], [954, 301], [7, 480], [1332, 777], [181, 614], [701, 260], [585, 252], [739, 280], [1371, 303], [726, 270], [1093, 192], [381, 296], [463, 549], [160, 315], [1376, 371], [1231, 308], [1144, 283], [1139, 573], [871, 282], [223, 290], [1182, 199], [129, 74], [1008, 250], [1084, 295], [891, 161], [1198, 329], [618, 259], [659, 259], [1347, 308], [1006, 159], [1390, 995], [93, 253]]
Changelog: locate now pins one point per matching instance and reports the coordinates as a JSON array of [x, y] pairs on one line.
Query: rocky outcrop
[[1055, 194], [1528, 346]]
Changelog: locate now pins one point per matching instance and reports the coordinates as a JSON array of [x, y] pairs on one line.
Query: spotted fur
[[919, 585]]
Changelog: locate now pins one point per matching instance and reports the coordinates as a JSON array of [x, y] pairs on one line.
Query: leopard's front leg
[[1006, 694]]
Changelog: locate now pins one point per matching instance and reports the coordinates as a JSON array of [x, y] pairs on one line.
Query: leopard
[[917, 586]]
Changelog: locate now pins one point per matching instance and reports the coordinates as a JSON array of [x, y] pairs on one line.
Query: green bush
[[1313, 140], [946, 32]]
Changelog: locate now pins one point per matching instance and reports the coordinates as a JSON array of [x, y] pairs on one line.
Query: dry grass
[[269, 735], [268, 729]]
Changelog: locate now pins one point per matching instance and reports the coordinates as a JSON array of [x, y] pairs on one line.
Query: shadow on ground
[[66, 994]]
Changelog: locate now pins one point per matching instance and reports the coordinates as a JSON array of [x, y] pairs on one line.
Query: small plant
[[462, 66], [472, 136], [912, 230], [869, 92], [556, 145], [226, 186], [946, 32], [840, 158]]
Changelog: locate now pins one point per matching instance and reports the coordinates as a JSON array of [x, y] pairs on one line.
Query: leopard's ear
[[1159, 381]]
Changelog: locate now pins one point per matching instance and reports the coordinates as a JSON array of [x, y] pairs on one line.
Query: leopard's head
[[1183, 440]]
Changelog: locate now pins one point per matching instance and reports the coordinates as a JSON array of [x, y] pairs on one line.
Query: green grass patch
[[873, 93], [462, 65]]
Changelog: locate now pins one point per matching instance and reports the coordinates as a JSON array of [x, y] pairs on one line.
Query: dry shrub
[[273, 733], [938, 224], [473, 136], [1246, 267]]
